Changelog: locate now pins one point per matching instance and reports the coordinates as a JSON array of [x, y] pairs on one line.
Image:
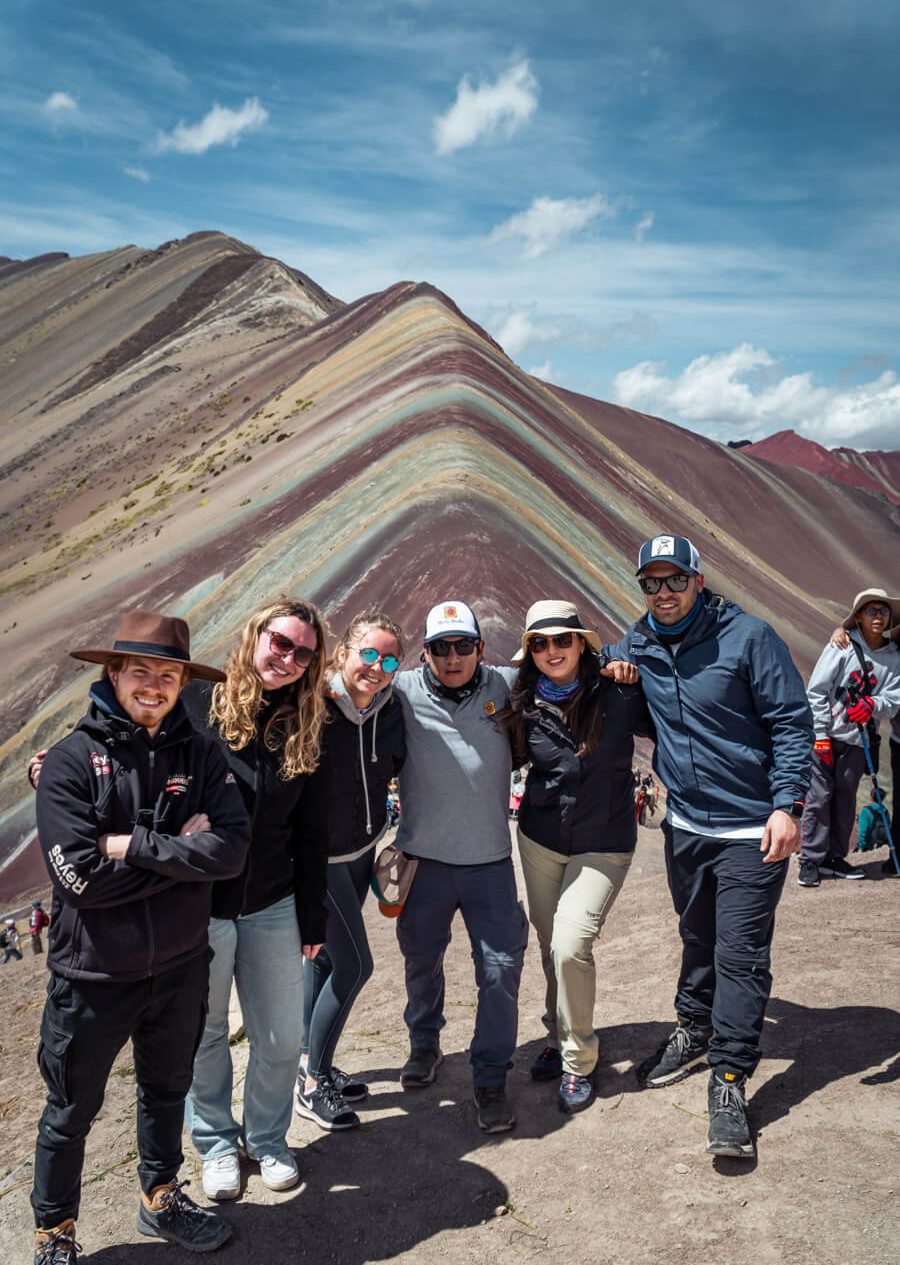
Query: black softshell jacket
[[572, 803], [127, 920], [288, 854]]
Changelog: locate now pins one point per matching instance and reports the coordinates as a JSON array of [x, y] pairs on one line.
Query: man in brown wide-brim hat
[[137, 815]]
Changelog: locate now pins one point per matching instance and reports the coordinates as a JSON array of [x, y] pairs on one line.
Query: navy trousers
[[486, 897], [84, 1026], [725, 897]]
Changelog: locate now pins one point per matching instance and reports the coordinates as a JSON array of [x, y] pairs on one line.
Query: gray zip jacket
[[454, 786], [829, 679]]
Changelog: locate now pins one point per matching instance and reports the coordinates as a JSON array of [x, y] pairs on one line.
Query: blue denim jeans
[[486, 897], [262, 953]]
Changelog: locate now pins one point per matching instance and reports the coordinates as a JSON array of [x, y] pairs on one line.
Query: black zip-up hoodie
[[288, 855], [126, 920], [572, 803], [361, 752]]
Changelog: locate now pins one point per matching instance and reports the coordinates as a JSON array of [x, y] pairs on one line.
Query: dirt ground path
[[625, 1183]]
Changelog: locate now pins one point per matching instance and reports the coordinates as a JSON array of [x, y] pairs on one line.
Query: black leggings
[[334, 978]]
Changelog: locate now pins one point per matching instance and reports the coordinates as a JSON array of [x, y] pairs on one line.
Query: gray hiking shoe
[[683, 1050], [173, 1216], [729, 1128]]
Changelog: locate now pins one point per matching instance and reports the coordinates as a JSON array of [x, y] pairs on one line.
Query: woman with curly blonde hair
[[268, 714]]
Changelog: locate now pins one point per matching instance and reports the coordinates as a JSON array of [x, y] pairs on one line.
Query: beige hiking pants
[[568, 900]]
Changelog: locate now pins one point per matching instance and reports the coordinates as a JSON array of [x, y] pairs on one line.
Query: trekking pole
[[852, 694]]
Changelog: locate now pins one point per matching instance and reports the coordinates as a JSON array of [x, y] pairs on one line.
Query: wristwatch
[[793, 810]]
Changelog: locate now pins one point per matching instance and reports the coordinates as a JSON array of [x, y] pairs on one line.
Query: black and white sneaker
[[729, 1128], [324, 1106], [837, 867], [809, 874], [349, 1089], [176, 1218], [684, 1049]]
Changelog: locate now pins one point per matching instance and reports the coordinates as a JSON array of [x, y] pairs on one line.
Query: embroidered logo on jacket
[[177, 783], [100, 764]]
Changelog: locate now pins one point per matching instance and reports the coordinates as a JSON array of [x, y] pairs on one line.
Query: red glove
[[862, 683], [822, 748], [861, 711]]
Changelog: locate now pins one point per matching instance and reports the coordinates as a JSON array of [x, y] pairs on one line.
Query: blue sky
[[690, 207]]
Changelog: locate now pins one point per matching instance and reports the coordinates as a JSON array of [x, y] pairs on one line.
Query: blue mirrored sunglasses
[[370, 656]]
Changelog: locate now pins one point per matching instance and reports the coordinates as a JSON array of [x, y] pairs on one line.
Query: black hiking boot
[[168, 1213], [683, 1050], [56, 1246], [729, 1128]]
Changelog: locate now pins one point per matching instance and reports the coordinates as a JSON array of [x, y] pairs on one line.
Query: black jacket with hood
[[130, 919], [361, 752], [583, 803], [287, 854]]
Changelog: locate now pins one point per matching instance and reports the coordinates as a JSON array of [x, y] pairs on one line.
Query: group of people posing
[[204, 828]]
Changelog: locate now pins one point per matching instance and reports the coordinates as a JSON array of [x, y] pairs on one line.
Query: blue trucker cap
[[675, 549]]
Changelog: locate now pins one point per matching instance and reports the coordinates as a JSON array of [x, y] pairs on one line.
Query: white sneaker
[[279, 1172], [222, 1176]]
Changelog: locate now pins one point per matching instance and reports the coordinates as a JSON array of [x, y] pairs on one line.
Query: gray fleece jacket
[[829, 680], [454, 786]]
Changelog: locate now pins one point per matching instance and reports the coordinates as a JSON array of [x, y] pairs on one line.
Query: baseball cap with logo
[[675, 549], [451, 619]]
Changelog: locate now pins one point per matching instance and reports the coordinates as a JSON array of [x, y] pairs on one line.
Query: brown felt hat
[[875, 595], [152, 636]]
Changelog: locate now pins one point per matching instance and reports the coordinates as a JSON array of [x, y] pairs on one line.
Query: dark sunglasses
[[283, 646], [874, 609], [676, 583], [370, 656], [560, 641], [464, 646]]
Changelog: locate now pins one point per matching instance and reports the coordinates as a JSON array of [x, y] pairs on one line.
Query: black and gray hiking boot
[[56, 1246], [683, 1049], [171, 1215], [729, 1128]]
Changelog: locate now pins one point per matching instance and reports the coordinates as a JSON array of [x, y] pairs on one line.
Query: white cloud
[[643, 226], [491, 107], [137, 173], [543, 371], [518, 331], [221, 126], [713, 394], [60, 104], [549, 221]]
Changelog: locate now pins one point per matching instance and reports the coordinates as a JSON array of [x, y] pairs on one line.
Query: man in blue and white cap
[[734, 743], [454, 789]]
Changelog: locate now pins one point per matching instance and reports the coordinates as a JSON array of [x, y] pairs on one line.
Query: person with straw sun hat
[[851, 688], [576, 830]]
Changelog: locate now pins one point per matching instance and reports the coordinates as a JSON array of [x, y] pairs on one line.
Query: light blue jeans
[[262, 953]]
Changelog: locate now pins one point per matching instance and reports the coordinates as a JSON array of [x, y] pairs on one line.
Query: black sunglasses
[[464, 646], [676, 583], [283, 646], [561, 641]]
